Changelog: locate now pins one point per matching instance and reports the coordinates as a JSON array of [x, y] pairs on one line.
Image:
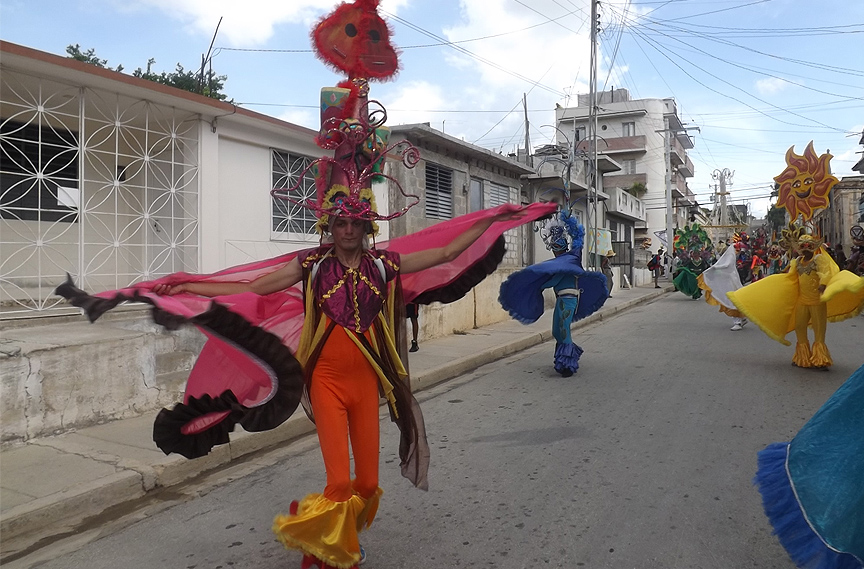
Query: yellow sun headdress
[[805, 183]]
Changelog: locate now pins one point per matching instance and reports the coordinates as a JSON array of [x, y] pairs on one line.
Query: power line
[[472, 54], [652, 42]]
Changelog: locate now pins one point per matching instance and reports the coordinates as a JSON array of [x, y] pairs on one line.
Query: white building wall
[[236, 201]]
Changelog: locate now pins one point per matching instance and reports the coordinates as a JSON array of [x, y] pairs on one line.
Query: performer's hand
[[169, 290]]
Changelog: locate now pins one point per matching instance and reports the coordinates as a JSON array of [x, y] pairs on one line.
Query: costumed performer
[[812, 490], [717, 280], [814, 291], [855, 262], [655, 265], [339, 341], [693, 248], [578, 293], [776, 263]]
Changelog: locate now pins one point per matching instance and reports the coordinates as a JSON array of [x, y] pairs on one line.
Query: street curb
[[25, 526]]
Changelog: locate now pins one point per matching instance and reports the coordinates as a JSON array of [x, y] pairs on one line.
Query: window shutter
[[439, 192], [498, 194]]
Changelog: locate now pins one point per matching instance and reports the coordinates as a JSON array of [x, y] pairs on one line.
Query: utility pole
[[529, 160], [667, 158], [592, 223]]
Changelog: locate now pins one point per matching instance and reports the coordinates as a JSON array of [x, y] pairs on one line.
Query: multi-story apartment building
[[647, 137]]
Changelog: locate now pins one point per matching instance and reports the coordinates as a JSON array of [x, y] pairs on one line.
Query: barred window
[[498, 194], [439, 191], [38, 173], [289, 217]]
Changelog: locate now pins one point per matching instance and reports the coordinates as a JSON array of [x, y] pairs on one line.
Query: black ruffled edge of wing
[[167, 427], [458, 288], [264, 347]]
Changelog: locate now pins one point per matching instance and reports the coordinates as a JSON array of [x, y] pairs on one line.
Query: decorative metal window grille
[[439, 191], [290, 218], [498, 194], [628, 166], [95, 184], [51, 195]]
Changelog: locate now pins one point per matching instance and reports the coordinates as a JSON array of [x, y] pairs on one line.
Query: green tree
[[776, 218], [88, 56], [638, 189], [209, 84]]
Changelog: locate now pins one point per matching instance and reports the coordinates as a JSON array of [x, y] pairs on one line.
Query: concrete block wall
[[60, 377], [478, 308], [72, 374]]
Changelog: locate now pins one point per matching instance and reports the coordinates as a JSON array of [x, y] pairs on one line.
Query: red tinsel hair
[[354, 39]]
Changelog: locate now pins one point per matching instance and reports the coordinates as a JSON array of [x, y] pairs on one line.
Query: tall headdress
[[562, 232], [356, 40], [805, 183]]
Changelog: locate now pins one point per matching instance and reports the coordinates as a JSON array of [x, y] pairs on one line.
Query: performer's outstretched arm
[[421, 260], [287, 276]]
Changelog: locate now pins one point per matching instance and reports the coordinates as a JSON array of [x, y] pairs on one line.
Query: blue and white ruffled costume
[[579, 293]]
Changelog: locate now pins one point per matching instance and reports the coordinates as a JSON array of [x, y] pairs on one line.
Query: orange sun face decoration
[[805, 183]]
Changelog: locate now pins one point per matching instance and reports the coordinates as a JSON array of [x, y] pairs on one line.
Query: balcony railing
[[623, 180], [625, 204]]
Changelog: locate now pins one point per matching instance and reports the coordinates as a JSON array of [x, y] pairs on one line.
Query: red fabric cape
[[246, 372]]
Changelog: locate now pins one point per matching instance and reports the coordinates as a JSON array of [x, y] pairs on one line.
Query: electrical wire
[[652, 43], [472, 54]]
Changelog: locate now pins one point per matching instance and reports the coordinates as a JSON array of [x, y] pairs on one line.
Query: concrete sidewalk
[[50, 487]]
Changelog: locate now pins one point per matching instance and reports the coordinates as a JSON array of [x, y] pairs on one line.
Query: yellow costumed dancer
[[814, 291]]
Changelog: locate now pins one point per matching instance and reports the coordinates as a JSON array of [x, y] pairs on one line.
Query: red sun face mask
[[354, 39]]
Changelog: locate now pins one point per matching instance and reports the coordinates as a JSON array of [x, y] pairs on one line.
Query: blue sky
[[756, 76]]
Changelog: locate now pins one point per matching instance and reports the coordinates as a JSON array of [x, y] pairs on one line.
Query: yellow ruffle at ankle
[[820, 356], [328, 530], [802, 355]]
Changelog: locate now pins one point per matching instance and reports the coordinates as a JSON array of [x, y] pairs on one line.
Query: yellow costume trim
[[845, 292], [312, 332], [802, 355], [770, 302], [820, 356], [328, 530], [365, 194], [700, 281]]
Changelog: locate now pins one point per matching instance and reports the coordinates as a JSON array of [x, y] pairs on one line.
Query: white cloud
[[412, 100], [303, 117], [552, 53], [249, 22], [771, 85]]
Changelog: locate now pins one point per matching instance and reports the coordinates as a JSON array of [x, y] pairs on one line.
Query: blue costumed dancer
[[578, 292], [813, 487]]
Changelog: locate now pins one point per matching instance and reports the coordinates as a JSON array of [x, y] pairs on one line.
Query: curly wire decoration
[[336, 132], [410, 158], [376, 117]]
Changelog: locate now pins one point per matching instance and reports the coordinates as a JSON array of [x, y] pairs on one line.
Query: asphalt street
[[643, 459]]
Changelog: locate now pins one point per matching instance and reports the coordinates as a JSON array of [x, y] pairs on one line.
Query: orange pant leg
[[344, 397]]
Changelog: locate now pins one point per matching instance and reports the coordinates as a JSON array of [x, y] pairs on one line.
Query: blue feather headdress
[[563, 232]]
